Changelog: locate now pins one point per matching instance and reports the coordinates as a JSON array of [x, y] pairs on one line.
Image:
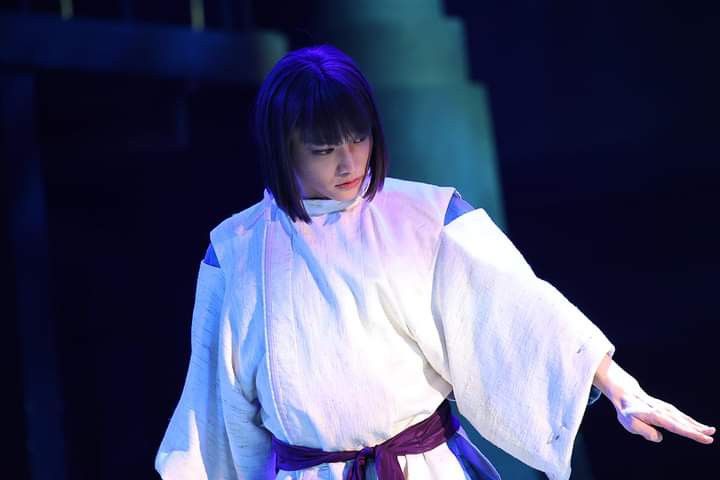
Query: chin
[[346, 195]]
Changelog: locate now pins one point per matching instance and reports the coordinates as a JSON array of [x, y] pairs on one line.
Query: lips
[[351, 183]]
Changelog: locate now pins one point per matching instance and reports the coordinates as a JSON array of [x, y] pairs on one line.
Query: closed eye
[[325, 151]]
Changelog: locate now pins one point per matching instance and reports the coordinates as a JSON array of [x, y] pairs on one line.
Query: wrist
[[614, 382]]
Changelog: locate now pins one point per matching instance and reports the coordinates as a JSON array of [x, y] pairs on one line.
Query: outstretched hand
[[640, 413]]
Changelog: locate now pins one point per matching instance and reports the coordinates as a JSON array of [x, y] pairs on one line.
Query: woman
[[334, 317]]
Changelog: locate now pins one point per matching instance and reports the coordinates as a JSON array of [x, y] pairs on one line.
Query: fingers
[[706, 429], [638, 412], [638, 427], [675, 425], [683, 417]]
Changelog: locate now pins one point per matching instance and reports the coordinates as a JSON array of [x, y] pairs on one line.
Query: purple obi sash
[[426, 435]]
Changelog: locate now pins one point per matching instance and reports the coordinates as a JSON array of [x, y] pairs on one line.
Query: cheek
[[362, 152], [306, 166], [306, 175], [318, 171]]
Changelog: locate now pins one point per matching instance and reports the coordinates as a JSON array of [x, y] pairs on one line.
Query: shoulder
[[432, 199], [398, 186], [238, 224], [230, 239]]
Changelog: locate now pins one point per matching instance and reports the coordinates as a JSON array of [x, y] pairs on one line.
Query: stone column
[[34, 323], [437, 120]]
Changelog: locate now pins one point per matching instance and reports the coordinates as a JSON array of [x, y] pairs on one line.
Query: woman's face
[[331, 171]]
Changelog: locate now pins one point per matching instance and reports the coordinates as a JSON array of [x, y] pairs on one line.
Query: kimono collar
[[321, 206]]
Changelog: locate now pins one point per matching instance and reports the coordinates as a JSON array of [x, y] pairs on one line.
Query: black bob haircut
[[319, 92]]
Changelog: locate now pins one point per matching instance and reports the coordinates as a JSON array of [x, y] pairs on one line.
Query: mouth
[[350, 184]]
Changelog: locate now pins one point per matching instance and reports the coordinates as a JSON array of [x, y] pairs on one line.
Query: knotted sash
[[421, 437]]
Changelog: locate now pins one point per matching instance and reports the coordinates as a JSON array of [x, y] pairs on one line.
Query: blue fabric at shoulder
[[210, 257], [456, 207]]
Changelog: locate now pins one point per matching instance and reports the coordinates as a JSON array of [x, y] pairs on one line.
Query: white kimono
[[341, 333]]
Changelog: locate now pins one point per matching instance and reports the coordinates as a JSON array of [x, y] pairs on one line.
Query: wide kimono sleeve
[[215, 431], [520, 357]]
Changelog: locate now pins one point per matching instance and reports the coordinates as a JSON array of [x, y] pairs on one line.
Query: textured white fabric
[[521, 357], [341, 333], [215, 427]]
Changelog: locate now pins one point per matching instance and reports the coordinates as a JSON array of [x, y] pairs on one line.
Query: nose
[[345, 160]]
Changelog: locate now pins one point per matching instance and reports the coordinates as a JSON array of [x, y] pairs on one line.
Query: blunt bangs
[[333, 113], [321, 94]]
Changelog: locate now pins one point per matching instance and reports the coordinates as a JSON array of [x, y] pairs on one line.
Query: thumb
[[638, 427]]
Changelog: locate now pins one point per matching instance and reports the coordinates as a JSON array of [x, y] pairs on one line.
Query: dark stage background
[[115, 169]]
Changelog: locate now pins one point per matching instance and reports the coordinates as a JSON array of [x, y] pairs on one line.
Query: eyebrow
[[311, 144]]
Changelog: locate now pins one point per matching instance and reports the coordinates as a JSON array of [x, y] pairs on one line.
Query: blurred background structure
[[588, 130]]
